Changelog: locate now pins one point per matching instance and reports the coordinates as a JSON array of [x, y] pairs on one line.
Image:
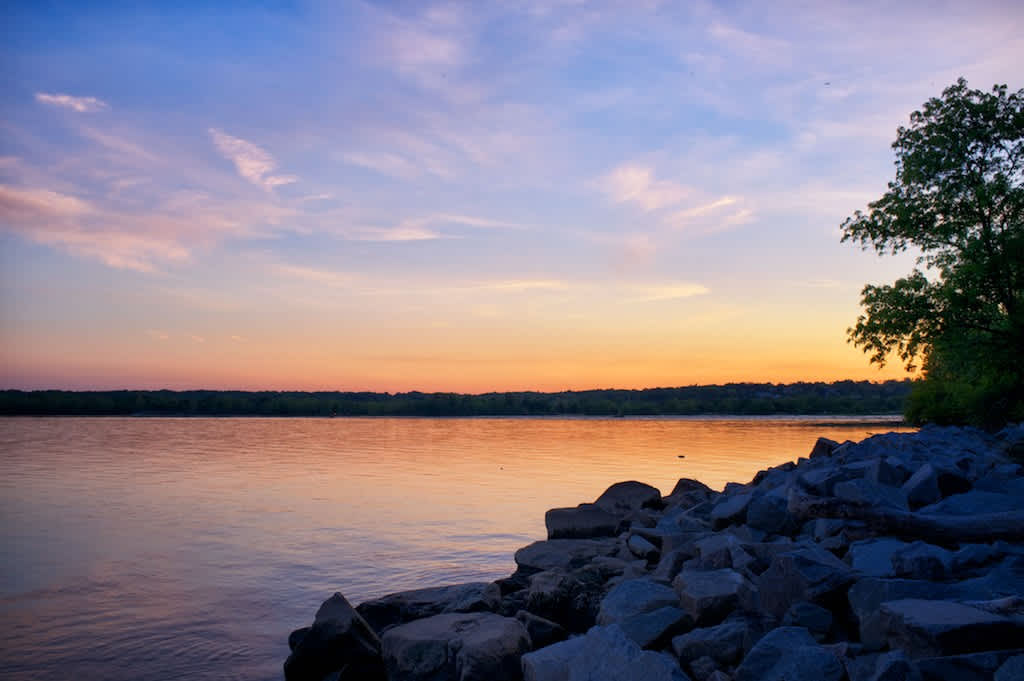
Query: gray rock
[[888, 471], [571, 599], [340, 639], [975, 502], [873, 557], [769, 512], [921, 560], [972, 667], [725, 643], [730, 509], [710, 596], [867, 595], [406, 606], [583, 522], [634, 597], [623, 497], [822, 448], [923, 487], [563, 554], [811, 617], [702, 668], [822, 481], [456, 647], [895, 666], [1011, 670], [641, 548], [928, 628], [654, 629], [543, 632], [789, 654], [603, 654], [974, 555], [807, 574], [866, 493]]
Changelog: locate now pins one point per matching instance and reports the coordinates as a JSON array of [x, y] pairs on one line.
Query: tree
[[958, 201]]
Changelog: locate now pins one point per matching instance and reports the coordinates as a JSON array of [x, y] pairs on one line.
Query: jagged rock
[[806, 574], [295, 638], [873, 557], [603, 654], [823, 480], [789, 654], [543, 632], [867, 595], [406, 606], [725, 643], [583, 522], [730, 509], [456, 647], [972, 667], [655, 628], [641, 548], [974, 555], [769, 512], [624, 497], [709, 596], [570, 599], [863, 492], [702, 668], [895, 666], [823, 447], [975, 502], [563, 554], [633, 597], [1011, 670], [339, 640], [931, 628], [923, 487], [887, 471], [922, 561], [813, 618]]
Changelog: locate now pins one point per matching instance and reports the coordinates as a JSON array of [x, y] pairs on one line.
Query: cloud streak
[[78, 104], [252, 162]]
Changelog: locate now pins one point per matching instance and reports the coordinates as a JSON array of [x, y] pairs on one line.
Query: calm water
[[164, 549]]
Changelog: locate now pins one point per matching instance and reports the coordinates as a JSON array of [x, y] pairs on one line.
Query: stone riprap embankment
[[899, 557]]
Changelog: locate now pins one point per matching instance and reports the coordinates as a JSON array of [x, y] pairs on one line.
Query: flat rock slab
[[725, 643], [563, 554], [873, 557], [456, 647], [867, 595], [928, 628], [709, 596], [656, 628], [807, 574], [603, 654], [789, 654], [406, 606], [583, 522], [634, 597], [973, 667]]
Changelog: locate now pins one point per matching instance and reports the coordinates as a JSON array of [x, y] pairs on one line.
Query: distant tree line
[[841, 397]]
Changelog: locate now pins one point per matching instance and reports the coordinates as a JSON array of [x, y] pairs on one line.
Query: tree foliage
[[958, 201]]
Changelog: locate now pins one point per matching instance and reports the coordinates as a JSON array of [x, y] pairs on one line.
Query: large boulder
[[1012, 669], [709, 596], [563, 554], [406, 606], [725, 643], [873, 557], [456, 647], [340, 640], [921, 560], [623, 498], [603, 654], [806, 574], [656, 628], [769, 512], [633, 597], [867, 595], [923, 487], [987, 666], [928, 628], [730, 509], [582, 522], [543, 632], [571, 599], [789, 654]]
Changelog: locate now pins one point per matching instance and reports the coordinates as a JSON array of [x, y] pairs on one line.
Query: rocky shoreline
[[898, 557]]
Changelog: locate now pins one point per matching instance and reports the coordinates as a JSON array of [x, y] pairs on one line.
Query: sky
[[456, 196]]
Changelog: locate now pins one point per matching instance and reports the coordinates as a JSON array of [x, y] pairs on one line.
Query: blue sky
[[459, 195]]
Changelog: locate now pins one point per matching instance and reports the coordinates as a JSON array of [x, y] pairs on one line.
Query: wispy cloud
[[671, 291], [252, 162], [79, 104], [636, 183], [324, 277], [24, 204]]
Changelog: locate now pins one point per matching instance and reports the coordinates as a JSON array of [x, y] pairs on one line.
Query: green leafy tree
[[958, 201]]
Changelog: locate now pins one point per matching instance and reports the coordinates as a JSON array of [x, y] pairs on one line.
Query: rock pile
[[899, 557]]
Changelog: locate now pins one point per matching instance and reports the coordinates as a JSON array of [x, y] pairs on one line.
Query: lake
[[164, 548]]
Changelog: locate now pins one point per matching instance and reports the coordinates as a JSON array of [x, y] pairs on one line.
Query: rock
[[725, 643], [406, 606], [340, 639], [603, 654], [873, 557], [811, 617], [295, 638], [923, 487], [656, 628], [570, 599], [822, 448], [866, 493], [563, 554], [687, 486], [921, 560], [972, 667], [976, 502], [702, 668], [730, 509], [974, 555], [768, 512], [928, 628], [822, 481], [895, 666], [888, 471], [789, 654], [583, 522], [1011, 670], [867, 595], [543, 632], [634, 597], [624, 497], [641, 548], [456, 647], [807, 574], [709, 596]]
